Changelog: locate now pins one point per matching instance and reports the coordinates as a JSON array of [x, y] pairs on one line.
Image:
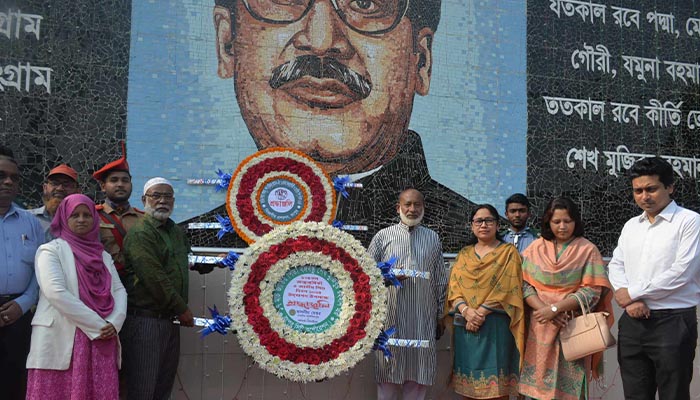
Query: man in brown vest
[[116, 214]]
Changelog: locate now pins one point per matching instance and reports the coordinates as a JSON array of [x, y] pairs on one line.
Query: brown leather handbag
[[586, 334]]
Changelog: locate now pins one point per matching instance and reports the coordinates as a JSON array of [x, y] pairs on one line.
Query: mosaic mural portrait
[[428, 94], [469, 101], [341, 82]]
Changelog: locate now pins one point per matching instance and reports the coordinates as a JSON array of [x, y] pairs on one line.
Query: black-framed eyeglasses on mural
[[371, 17]]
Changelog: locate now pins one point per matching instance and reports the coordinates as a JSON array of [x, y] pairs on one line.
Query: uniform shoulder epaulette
[[138, 211]]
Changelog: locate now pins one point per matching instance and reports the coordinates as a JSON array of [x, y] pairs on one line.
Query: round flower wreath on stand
[[276, 187], [292, 351]]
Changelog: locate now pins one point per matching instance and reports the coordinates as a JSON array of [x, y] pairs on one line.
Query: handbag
[[586, 334]]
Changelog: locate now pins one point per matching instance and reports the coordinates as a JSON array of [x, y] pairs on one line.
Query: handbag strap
[[584, 309]]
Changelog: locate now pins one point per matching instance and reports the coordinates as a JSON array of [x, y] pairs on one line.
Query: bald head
[[410, 193]]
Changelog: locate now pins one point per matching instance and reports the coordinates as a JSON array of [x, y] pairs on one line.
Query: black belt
[[671, 311], [137, 312], [4, 298]]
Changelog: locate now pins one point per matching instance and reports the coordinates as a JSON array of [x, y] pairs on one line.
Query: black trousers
[[14, 348], [657, 354]]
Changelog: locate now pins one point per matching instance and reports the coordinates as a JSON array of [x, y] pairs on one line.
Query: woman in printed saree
[[485, 294], [557, 267]]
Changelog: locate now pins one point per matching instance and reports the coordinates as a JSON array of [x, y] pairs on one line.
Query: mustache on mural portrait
[[321, 68]]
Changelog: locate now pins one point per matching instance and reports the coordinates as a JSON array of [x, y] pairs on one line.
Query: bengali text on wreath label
[[309, 298]]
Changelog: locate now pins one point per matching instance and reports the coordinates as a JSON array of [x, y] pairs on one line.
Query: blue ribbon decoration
[[381, 342], [225, 180], [338, 224], [230, 260], [226, 226], [339, 185], [387, 274], [221, 324]]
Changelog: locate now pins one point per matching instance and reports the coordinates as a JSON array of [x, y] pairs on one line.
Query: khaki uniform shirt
[[128, 219]]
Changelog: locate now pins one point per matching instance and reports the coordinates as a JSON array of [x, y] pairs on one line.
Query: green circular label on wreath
[[282, 200], [309, 299]]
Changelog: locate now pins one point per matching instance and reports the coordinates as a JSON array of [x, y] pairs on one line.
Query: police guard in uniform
[[116, 214]]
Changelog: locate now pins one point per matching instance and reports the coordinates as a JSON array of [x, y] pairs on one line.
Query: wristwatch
[[554, 309]]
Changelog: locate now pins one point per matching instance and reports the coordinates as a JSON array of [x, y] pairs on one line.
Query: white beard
[[410, 222], [159, 215]]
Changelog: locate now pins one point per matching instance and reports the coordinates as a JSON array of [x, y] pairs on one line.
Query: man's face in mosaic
[[349, 124]]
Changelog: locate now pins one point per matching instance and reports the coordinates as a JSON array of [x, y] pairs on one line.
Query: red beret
[[118, 165]]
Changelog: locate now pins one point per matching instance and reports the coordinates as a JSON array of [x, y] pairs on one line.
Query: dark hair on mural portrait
[[653, 166], [561, 203], [421, 13], [424, 13]]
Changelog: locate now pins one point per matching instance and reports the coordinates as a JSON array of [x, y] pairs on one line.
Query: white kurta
[[414, 309]]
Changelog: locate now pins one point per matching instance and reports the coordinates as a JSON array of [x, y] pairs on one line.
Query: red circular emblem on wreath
[[276, 187], [310, 299]]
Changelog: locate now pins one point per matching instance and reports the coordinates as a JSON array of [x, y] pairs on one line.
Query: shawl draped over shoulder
[[578, 266], [494, 280]]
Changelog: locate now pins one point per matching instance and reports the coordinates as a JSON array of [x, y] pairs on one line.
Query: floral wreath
[[273, 343], [246, 203]]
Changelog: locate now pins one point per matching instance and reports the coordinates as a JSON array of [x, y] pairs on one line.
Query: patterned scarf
[[580, 264], [494, 280]]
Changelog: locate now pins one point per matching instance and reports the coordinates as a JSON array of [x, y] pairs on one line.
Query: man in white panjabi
[[415, 309]]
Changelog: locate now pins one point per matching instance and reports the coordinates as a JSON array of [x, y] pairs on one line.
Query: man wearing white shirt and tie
[[655, 271]]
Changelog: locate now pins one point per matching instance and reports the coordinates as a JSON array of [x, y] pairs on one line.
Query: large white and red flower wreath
[[313, 268], [276, 187]]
